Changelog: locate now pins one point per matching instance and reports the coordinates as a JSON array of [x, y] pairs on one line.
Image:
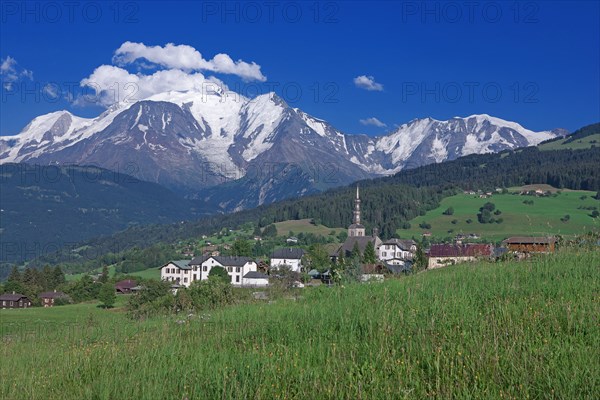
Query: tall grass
[[507, 330]]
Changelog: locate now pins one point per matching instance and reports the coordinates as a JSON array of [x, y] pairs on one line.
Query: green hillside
[[583, 138], [583, 143], [543, 217], [481, 331]]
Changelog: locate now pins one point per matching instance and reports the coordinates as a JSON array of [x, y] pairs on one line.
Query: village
[[374, 259]]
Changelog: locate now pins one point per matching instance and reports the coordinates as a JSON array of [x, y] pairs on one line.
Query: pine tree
[[355, 255], [107, 295], [420, 261], [104, 277], [370, 257], [15, 275]]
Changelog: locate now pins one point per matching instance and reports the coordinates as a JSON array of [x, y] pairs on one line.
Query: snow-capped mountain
[[253, 150]]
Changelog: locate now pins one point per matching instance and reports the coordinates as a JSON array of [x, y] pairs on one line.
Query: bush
[[107, 295], [210, 293], [220, 273], [449, 211]]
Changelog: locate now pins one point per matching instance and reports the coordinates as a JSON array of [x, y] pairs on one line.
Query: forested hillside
[[388, 203]]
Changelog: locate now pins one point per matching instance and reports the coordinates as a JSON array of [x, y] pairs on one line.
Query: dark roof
[[181, 264], [12, 297], [361, 240], [398, 269], [227, 261], [256, 275], [530, 240], [404, 244], [292, 253], [460, 250], [126, 284], [51, 295]]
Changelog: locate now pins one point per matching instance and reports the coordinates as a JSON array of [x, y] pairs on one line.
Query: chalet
[[48, 298], [124, 287], [236, 267], [522, 244], [356, 234], [397, 251], [14, 300], [291, 256], [255, 279], [441, 255]]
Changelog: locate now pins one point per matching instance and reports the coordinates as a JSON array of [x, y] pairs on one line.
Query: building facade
[[184, 272], [291, 257]]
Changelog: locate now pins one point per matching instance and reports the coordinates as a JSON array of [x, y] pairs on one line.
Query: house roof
[[181, 264], [126, 284], [292, 253], [460, 250], [530, 240], [12, 297], [256, 275], [227, 261], [397, 269], [51, 295], [404, 244]]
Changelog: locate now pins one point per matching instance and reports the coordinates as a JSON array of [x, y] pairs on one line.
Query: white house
[[236, 267], [397, 251], [178, 272], [292, 257], [255, 279], [185, 272]]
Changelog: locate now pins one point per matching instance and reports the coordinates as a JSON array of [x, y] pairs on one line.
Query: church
[[357, 235]]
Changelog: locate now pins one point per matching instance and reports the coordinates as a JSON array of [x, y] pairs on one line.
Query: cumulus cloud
[[159, 69], [114, 84], [186, 58], [367, 83], [373, 121], [11, 73]]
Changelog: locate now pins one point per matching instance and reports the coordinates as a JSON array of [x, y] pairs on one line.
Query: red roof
[[460, 250], [126, 284]]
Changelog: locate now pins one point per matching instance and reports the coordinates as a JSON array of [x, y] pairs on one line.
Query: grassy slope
[[303, 225], [507, 330], [541, 218], [148, 273], [583, 143]]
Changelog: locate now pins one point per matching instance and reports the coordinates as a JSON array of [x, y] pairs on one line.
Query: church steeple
[[356, 229], [356, 219]]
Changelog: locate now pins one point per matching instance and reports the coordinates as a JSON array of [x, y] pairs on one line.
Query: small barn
[[523, 244], [48, 298], [14, 300], [124, 287]]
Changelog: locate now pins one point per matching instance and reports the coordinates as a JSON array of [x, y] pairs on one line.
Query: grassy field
[[541, 218], [153, 273], [584, 143], [506, 330], [303, 225]]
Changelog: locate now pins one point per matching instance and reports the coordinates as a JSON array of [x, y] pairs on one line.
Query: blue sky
[[382, 63]]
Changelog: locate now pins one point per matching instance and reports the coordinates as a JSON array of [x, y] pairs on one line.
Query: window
[[383, 254], [237, 269], [204, 268], [184, 280], [11, 304], [237, 279], [228, 269], [196, 269]]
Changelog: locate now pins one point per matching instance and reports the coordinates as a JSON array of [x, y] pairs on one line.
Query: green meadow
[[512, 330], [583, 143], [543, 217]]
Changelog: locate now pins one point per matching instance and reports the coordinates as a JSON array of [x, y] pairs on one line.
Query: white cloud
[[186, 58], [367, 83], [51, 90], [159, 69], [10, 73], [372, 121], [114, 84]]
